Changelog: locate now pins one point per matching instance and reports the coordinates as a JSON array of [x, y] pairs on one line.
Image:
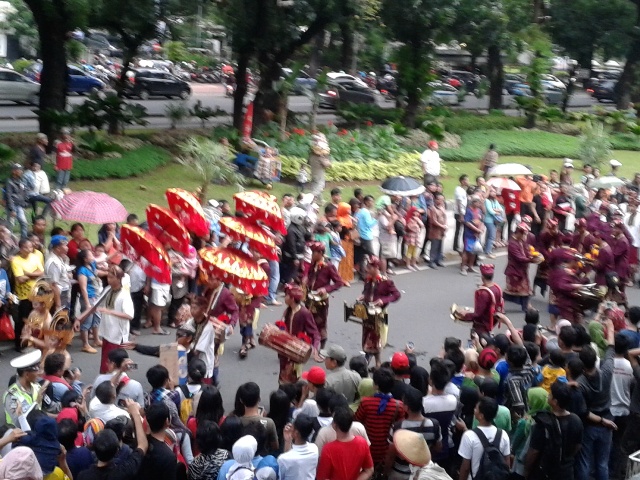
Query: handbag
[[477, 248], [6, 328]]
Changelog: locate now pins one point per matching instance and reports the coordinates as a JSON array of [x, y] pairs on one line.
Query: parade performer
[[248, 311], [564, 284], [517, 272], [558, 258], [620, 250], [379, 292], [488, 301], [547, 241], [222, 305], [582, 240], [322, 279], [299, 322], [604, 261]]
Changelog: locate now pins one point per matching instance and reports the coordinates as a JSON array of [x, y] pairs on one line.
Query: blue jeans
[[22, 220], [490, 238], [34, 199], [274, 280], [62, 178], [594, 455]]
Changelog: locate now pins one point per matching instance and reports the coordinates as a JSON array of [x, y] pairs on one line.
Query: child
[[100, 255], [336, 251], [412, 237], [64, 159], [303, 176], [554, 371]]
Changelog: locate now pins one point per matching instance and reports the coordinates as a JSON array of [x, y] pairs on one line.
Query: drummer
[[222, 305], [517, 272], [321, 279], [297, 320], [25, 391], [565, 283], [378, 292], [605, 262], [487, 302], [582, 240], [548, 240]]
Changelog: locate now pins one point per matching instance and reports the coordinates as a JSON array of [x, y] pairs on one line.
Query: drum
[[315, 301], [356, 313], [296, 350], [220, 329], [537, 259], [458, 312], [589, 297]]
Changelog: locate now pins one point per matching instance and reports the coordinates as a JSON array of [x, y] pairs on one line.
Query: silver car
[[18, 88]]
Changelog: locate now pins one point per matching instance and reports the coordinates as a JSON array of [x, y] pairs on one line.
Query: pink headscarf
[[20, 464]]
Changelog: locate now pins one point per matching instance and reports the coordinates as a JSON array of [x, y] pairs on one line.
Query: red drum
[[296, 350]]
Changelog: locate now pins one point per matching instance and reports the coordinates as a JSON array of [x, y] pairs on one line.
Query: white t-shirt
[[471, 446], [56, 269], [206, 347], [439, 403], [299, 463], [106, 412], [431, 162], [132, 388], [115, 329], [460, 195], [621, 387]]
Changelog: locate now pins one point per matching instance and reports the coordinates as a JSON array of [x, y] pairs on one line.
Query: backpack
[[492, 464], [552, 453], [186, 405]]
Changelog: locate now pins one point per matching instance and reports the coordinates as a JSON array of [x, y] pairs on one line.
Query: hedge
[[523, 143], [625, 141], [131, 164], [461, 123]]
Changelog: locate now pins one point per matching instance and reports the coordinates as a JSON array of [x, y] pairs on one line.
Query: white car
[[553, 81], [443, 94], [341, 77], [18, 88]]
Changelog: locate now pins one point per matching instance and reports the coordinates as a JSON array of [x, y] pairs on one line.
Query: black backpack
[[551, 455], [492, 464]]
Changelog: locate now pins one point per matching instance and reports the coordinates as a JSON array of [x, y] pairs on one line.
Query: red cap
[[432, 143], [524, 227], [487, 358], [487, 269], [400, 361], [317, 247], [315, 375]]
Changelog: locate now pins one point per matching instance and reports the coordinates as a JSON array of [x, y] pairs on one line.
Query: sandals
[[244, 351]]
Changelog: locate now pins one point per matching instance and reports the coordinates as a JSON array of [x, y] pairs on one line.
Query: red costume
[[487, 302], [517, 272], [374, 334], [223, 306], [548, 240], [604, 264], [564, 293]]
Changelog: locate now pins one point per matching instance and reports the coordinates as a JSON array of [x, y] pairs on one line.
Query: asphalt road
[[421, 316], [20, 118]]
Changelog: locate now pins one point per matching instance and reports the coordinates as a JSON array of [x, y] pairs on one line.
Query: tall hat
[[294, 291]]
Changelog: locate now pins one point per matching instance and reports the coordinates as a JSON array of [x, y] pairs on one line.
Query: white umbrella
[[611, 63], [501, 183], [606, 182], [509, 170]]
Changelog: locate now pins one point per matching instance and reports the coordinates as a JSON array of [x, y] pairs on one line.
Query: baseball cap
[[58, 240], [17, 166], [334, 351], [400, 361], [487, 358], [315, 375]]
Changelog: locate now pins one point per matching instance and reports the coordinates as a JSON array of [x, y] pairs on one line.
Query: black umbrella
[[402, 186]]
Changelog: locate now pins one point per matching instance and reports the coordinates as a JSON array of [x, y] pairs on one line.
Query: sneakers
[[463, 273], [491, 255]]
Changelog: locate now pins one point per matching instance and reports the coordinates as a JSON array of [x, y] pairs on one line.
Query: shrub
[[469, 122], [176, 112], [130, 164], [595, 147], [625, 141], [356, 113], [6, 153], [527, 143], [561, 128], [21, 65]]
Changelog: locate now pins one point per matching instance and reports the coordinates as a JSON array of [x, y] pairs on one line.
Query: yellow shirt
[[20, 266], [57, 474]]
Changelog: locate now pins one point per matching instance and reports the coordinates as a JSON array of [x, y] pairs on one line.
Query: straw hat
[[412, 447]]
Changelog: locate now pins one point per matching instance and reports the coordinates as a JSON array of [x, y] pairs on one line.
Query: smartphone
[[470, 344], [121, 403], [410, 345], [132, 366]]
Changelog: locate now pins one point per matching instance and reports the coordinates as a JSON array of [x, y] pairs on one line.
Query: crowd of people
[[551, 402]]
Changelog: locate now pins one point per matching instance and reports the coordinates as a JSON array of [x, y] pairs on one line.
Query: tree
[[210, 160], [609, 24], [416, 24], [21, 24], [54, 21], [626, 89]]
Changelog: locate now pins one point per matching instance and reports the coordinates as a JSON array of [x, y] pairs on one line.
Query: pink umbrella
[[90, 207], [502, 183]]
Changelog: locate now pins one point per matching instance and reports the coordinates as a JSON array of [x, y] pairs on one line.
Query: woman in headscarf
[[537, 401], [243, 452], [20, 464]]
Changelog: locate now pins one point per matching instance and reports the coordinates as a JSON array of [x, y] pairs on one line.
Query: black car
[[338, 91], [144, 83], [605, 90]]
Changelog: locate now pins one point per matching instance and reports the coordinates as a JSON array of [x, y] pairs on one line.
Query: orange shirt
[[528, 189]]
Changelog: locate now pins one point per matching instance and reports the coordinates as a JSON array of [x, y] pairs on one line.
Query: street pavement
[[21, 118], [420, 316]]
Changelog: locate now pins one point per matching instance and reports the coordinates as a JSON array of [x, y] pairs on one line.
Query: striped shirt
[[378, 426], [429, 428]]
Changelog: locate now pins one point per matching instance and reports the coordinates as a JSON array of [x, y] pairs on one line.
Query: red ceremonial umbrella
[[243, 230], [188, 210], [90, 207], [146, 251], [257, 206], [234, 267], [167, 228]]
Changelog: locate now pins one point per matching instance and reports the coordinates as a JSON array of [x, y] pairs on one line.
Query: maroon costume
[[603, 264], [565, 294], [322, 275], [582, 241], [374, 335], [620, 250], [487, 301], [547, 241], [297, 323], [224, 307], [517, 273]]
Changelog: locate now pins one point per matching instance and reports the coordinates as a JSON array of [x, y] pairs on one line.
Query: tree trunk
[[496, 77], [411, 110], [53, 86], [347, 52], [241, 91], [625, 82], [315, 62], [267, 100]]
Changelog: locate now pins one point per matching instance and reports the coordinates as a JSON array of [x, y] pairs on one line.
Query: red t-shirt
[[344, 460], [64, 155], [511, 201]]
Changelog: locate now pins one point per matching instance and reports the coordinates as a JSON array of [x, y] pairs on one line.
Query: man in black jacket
[[16, 198]]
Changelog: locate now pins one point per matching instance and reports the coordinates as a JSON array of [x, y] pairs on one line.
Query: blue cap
[[57, 240]]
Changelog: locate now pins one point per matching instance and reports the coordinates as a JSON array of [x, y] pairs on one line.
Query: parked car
[[604, 90], [553, 81], [443, 94], [511, 80], [302, 82], [144, 83], [550, 94], [470, 80], [18, 88], [345, 91], [345, 77], [78, 81]]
